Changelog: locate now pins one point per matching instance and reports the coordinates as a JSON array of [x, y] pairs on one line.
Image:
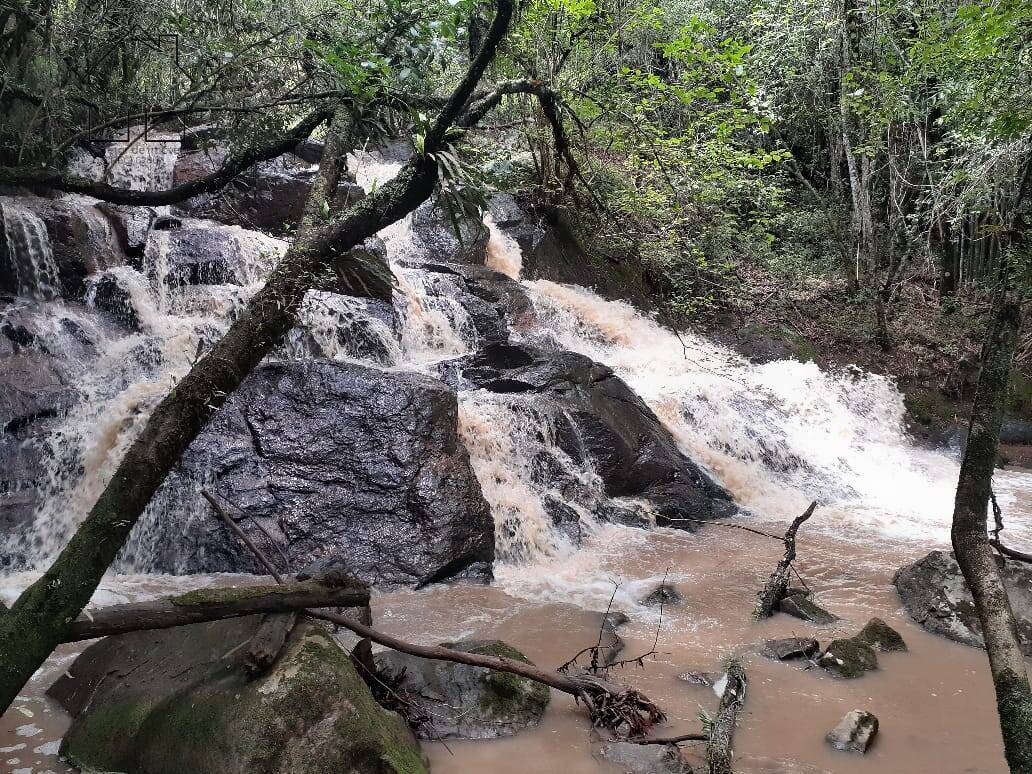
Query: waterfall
[[29, 251], [143, 161], [776, 435]]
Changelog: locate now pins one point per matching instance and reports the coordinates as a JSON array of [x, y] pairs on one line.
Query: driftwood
[[213, 605], [722, 730], [774, 590], [268, 641]]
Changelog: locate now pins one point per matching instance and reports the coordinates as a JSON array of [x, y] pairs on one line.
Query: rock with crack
[[848, 658], [477, 703], [325, 458], [790, 648], [440, 233], [600, 421], [935, 594], [184, 700], [854, 733]]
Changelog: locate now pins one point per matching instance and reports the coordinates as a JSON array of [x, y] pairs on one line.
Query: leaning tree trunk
[[971, 539], [39, 620]]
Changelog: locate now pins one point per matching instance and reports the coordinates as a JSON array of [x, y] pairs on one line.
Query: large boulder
[[606, 423], [440, 234], [329, 459], [49, 246], [935, 594], [482, 704], [182, 699], [270, 197]]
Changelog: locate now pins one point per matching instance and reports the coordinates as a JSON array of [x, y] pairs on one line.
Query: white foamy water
[[776, 435], [29, 251]]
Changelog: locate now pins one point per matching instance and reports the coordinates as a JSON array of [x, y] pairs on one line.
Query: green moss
[[312, 714], [231, 594], [508, 695], [849, 658], [1019, 395], [928, 406], [1014, 704]]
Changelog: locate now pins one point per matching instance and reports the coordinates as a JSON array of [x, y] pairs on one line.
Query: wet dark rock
[[854, 733], [332, 325], [21, 464], [611, 644], [606, 423], [482, 704], [167, 223], [32, 387], [848, 658], [882, 637], [434, 237], [1016, 431], [310, 150], [565, 519], [270, 197], [663, 594], [790, 648], [182, 699], [106, 292], [332, 459], [552, 251], [203, 256], [506, 211], [131, 225], [80, 236], [803, 607], [492, 300], [644, 758], [935, 594]]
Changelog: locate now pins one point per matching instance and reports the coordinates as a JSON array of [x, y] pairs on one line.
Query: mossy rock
[[882, 637], [848, 658], [482, 703], [181, 700]]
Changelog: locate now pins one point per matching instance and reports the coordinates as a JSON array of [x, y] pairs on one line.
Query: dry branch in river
[[774, 590]]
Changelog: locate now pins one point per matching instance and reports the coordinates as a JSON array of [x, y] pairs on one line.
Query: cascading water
[[29, 251]]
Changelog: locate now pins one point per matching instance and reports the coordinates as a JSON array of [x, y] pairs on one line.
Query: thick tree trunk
[[971, 539], [40, 618]]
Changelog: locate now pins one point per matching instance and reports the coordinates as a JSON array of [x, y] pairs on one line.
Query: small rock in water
[[663, 594], [801, 606], [882, 637], [789, 648], [645, 758], [848, 658], [854, 733], [698, 678]]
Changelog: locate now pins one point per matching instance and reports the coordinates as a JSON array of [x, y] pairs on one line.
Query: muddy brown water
[[935, 702]]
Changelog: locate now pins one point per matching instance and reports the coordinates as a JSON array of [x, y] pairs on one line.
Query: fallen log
[[722, 731], [268, 641], [777, 584], [213, 604]]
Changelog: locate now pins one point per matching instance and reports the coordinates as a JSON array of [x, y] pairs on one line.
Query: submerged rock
[[935, 594], [181, 699], [802, 606], [479, 703], [329, 459], [604, 422], [882, 637], [790, 648], [663, 594], [848, 658], [854, 733], [645, 758]]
